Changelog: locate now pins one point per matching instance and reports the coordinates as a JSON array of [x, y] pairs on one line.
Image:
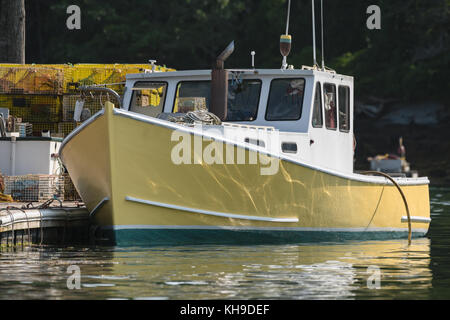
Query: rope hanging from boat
[[401, 193]]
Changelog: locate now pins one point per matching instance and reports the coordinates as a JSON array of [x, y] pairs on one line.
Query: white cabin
[[311, 110]]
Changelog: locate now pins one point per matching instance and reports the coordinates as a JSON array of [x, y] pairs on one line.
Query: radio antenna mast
[[287, 21], [321, 27], [314, 35], [285, 41]]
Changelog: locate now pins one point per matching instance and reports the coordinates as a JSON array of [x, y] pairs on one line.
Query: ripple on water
[[342, 270]]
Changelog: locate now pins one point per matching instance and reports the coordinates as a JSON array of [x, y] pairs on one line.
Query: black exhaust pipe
[[219, 84]]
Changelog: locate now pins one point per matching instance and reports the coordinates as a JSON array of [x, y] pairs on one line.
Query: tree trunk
[[12, 34]]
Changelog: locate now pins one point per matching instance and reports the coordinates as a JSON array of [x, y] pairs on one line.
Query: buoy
[[285, 44]]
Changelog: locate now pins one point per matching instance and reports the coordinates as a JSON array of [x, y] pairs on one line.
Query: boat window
[[192, 95], [317, 119], [344, 108], [148, 97], [285, 99], [243, 98], [289, 147], [329, 98]]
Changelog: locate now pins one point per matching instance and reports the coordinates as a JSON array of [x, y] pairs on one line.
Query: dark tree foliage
[[407, 59]]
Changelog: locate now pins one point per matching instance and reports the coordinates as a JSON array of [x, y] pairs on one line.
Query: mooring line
[[376, 209], [401, 193], [66, 218], [42, 231], [12, 226], [28, 225]]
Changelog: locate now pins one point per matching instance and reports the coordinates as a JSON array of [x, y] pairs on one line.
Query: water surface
[[342, 270]]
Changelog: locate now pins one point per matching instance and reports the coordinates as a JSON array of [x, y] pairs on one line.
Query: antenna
[[152, 62], [253, 59], [288, 13], [314, 34], [321, 28]]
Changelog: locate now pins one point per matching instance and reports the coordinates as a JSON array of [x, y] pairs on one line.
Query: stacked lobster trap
[[41, 99], [45, 95], [23, 79], [34, 187], [40, 187]]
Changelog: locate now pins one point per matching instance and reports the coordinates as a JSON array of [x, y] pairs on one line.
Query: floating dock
[[23, 224]]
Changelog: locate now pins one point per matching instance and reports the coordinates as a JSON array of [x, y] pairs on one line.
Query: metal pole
[[321, 21], [288, 13], [102, 89], [314, 34], [13, 156]]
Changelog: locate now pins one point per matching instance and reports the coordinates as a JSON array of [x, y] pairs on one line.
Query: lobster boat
[[236, 156]]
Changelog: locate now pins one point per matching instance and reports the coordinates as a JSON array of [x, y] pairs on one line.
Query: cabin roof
[[256, 72]]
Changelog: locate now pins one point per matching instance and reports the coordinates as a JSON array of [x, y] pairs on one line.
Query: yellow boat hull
[[120, 163]]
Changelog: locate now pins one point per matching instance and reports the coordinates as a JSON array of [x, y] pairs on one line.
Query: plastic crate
[[25, 129]]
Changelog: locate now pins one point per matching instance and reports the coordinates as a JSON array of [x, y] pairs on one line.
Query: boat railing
[[102, 89], [246, 126]]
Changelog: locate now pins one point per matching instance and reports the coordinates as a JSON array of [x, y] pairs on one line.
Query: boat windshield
[[243, 98], [285, 99], [148, 97]]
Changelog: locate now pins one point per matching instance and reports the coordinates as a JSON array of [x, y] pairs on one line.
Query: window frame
[[146, 81], [176, 90], [348, 107], [289, 143], [270, 93], [318, 84], [257, 104], [336, 106]]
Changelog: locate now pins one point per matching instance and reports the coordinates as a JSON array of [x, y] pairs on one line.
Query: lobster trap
[[64, 128], [35, 108], [70, 193], [88, 75], [31, 80], [92, 102], [40, 127], [35, 187], [45, 95]]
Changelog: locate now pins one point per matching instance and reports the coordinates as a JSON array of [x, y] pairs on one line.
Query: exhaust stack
[[219, 84]]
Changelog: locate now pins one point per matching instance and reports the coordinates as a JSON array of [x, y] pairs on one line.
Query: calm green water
[[308, 271]]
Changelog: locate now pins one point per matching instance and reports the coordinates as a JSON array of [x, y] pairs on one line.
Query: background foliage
[[407, 59]]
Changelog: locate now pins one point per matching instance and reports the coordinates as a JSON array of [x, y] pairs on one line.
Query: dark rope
[[401, 193]]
